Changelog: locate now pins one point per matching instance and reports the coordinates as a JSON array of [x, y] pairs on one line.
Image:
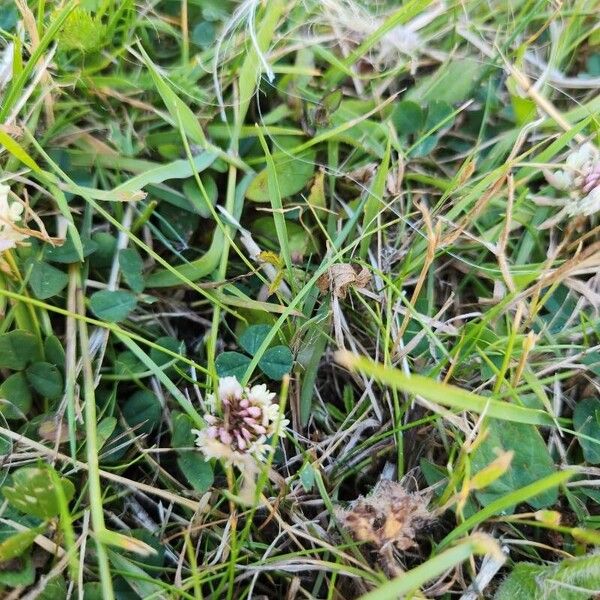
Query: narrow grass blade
[[443, 393], [511, 499], [374, 201], [415, 578]]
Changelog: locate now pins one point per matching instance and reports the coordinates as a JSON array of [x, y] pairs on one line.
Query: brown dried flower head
[[340, 276], [389, 515]]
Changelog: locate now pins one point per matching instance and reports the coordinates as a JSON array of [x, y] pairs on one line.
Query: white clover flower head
[[10, 215], [581, 179], [579, 164], [249, 417]]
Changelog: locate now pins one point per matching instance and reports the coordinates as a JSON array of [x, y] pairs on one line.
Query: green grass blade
[[443, 393]]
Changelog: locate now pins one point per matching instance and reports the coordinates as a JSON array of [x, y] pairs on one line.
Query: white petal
[[561, 180], [4, 189], [15, 211], [230, 387], [591, 203], [583, 156], [259, 394]]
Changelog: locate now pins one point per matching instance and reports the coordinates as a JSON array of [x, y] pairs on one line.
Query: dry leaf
[[52, 430], [388, 516], [339, 277]]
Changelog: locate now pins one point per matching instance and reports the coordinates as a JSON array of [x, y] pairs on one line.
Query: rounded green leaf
[[19, 572], [17, 349], [47, 281], [203, 34], [276, 362], [196, 197], [196, 469], [112, 306], [32, 492], [253, 337], [408, 117], [131, 264], [15, 397], [531, 462], [293, 173], [231, 364], [170, 343], [16, 544], [53, 351], [67, 253], [142, 411], [106, 246], [45, 379]]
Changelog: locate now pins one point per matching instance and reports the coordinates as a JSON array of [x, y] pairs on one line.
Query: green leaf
[[17, 349], [181, 168], [152, 560], [132, 265], [192, 463], [506, 502], [15, 397], [571, 579], [276, 362], [19, 572], [170, 343], [196, 469], [453, 82], [196, 197], [139, 580], [47, 281], [106, 245], [375, 202], [253, 337], [179, 111], [92, 590], [293, 174], [203, 34], [32, 492], [520, 584], [177, 224], [445, 394], [112, 306], [81, 31], [54, 351], [182, 436], [531, 462], [55, 589], [412, 580], [9, 17], [45, 379], [16, 544], [67, 253], [142, 410], [104, 430], [438, 118], [424, 146], [231, 364], [586, 420], [408, 117]]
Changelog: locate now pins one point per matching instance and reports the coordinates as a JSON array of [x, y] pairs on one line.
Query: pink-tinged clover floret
[[247, 418]]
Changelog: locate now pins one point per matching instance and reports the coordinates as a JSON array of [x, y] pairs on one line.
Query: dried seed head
[[388, 516]]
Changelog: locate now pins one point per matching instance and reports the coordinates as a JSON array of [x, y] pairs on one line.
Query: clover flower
[[10, 214], [581, 179], [248, 418]]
